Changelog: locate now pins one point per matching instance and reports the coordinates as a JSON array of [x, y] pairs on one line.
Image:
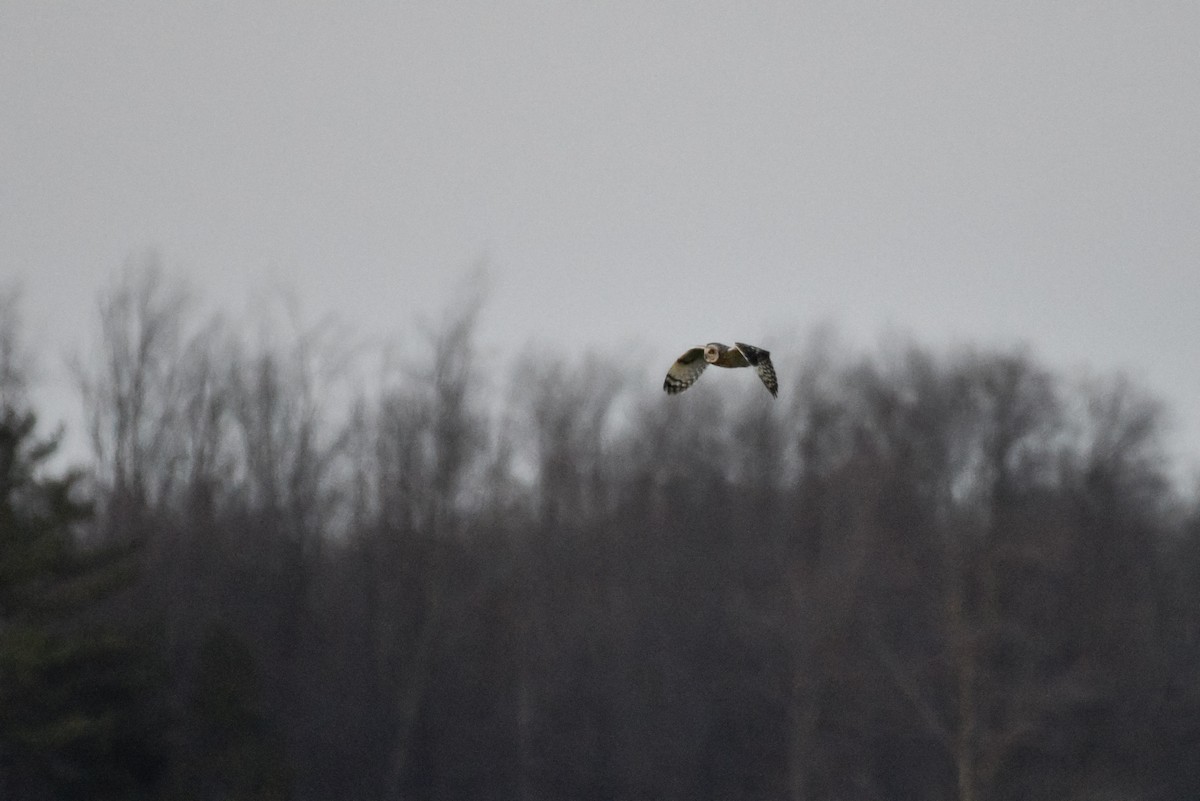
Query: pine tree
[[74, 693]]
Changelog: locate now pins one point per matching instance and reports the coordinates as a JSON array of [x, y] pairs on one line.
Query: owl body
[[720, 355], [688, 367]]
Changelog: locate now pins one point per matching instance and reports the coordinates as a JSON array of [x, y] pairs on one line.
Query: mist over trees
[[918, 574]]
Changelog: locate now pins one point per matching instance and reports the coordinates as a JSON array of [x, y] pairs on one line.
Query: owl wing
[[760, 360], [684, 372]]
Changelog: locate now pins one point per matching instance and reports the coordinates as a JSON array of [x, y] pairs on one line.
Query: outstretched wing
[[684, 372], [760, 360]]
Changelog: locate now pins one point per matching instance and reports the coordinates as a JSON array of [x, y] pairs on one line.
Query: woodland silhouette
[[917, 574]]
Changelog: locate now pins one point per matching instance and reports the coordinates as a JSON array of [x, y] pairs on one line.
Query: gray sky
[[656, 175]]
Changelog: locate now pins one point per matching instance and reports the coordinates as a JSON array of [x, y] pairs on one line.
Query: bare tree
[[430, 444], [285, 399], [131, 387], [567, 419], [15, 360]]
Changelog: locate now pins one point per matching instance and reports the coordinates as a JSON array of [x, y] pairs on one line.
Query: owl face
[[712, 352]]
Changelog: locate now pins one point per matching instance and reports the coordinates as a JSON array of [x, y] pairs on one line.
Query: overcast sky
[[650, 174]]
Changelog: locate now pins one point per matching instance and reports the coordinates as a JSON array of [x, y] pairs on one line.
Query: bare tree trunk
[[412, 691], [963, 652], [803, 712]]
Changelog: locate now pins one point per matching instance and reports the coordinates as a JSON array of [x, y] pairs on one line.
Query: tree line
[[918, 574]]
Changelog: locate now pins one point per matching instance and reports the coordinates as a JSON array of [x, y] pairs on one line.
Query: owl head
[[713, 351]]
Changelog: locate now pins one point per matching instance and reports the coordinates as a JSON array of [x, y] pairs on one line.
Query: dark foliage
[[78, 709], [924, 576]]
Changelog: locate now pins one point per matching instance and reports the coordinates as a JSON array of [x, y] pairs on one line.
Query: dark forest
[[918, 574]]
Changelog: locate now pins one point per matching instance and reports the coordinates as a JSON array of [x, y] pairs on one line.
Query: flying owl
[[688, 367]]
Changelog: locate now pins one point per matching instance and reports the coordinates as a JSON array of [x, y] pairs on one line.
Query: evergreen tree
[[75, 717]]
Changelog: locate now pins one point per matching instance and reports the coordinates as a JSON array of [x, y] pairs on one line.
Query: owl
[[688, 367]]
